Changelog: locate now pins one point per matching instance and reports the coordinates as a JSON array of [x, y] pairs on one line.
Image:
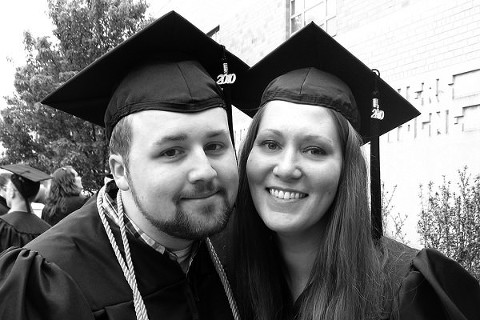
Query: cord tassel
[[225, 80]]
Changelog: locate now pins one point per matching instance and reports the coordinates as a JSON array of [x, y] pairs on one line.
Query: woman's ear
[[119, 171]]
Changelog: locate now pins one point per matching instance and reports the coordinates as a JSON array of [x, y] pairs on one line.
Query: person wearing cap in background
[[139, 249], [20, 225], [304, 245], [4, 178]]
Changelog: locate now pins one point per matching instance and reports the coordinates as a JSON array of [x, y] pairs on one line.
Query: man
[[4, 178], [139, 250], [20, 225]]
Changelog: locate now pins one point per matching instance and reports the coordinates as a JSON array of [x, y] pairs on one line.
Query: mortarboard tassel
[[225, 80], [375, 182]]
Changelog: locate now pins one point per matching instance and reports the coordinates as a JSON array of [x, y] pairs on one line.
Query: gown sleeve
[[437, 287], [32, 288], [9, 237]]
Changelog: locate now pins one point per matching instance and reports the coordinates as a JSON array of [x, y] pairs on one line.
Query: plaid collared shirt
[[109, 203]]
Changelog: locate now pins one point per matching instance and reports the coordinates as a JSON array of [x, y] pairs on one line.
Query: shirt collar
[[109, 194]]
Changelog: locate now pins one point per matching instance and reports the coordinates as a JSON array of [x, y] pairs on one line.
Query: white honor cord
[[127, 268], [224, 279]]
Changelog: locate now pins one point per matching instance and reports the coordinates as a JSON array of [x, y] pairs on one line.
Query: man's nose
[[202, 169]]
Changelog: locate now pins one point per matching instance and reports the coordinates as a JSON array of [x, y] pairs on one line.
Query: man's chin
[[204, 207], [203, 225]]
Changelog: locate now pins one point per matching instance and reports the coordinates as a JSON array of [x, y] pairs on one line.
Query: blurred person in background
[[65, 195], [4, 178], [20, 226], [41, 198]]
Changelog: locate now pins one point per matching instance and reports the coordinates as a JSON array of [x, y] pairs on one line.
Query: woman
[[64, 196], [303, 247]]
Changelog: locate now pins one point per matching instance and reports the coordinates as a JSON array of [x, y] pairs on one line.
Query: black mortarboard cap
[[170, 65], [313, 68], [311, 48], [26, 179]]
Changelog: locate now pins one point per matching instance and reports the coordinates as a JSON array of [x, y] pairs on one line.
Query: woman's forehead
[[280, 113]]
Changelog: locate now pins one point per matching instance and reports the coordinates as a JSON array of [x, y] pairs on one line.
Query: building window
[[471, 118], [322, 12], [466, 84]]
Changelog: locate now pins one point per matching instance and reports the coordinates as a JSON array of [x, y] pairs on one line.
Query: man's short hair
[[121, 139]]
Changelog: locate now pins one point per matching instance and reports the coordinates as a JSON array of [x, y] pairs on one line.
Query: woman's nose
[[287, 166]]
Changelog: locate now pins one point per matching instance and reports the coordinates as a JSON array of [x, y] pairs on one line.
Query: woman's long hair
[[346, 281], [63, 185]]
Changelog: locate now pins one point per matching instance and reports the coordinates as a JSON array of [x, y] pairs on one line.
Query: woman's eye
[[315, 151], [270, 145]]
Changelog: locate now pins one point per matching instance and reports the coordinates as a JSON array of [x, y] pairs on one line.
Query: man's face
[[182, 172], [9, 190]]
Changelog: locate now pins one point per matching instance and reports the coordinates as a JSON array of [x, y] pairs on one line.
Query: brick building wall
[[429, 50]]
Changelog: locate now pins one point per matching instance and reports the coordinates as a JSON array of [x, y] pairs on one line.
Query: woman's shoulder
[[431, 285], [398, 258], [77, 198]]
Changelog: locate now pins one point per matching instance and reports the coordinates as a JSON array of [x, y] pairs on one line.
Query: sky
[[16, 16]]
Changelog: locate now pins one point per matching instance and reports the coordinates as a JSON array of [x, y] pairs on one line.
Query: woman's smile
[[285, 194]]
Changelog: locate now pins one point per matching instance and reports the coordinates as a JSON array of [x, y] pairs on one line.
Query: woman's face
[[78, 179], [294, 166]]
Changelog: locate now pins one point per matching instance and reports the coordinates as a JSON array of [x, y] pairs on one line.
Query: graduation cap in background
[[307, 69], [26, 179], [170, 65]]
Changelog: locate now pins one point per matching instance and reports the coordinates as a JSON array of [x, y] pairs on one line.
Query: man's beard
[[195, 225]]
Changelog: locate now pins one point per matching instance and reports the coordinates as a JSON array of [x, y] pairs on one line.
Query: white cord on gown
[[127, 267]]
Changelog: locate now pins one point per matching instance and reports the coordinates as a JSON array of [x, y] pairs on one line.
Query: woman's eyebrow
[[314, 137], [274, 131]]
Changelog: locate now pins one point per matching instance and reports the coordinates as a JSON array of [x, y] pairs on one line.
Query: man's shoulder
[[69, 234]]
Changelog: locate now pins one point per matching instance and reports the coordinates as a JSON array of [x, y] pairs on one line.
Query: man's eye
[[171, 153], [214, 147]]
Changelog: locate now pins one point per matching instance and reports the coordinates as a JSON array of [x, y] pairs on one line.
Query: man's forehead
[[164, 117], [159, 123]]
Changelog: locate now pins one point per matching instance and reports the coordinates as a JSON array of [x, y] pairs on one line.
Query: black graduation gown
[[431, 286], [71, 272], [72, 203], [18, 228], [437, 288]]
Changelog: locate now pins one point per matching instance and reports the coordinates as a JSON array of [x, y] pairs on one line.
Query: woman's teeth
[[286, 195]]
